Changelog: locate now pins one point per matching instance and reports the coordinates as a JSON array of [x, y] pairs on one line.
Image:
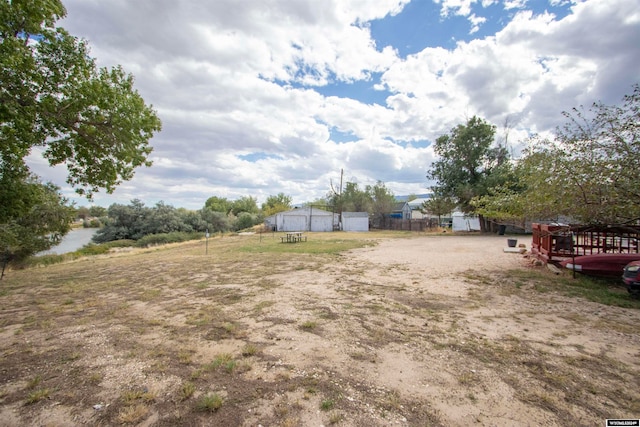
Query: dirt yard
[[430, 330]]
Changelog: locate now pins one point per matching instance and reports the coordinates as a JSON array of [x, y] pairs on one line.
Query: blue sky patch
[[362, 90], [420, 25], [341, 137], [254, 157]]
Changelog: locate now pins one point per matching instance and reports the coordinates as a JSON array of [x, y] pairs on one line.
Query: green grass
[[308, 325], [603, 291], [93, 249], [317, 243], [223, 360], [249, 350], [209, 402], [607, 291], [187, 390], [38, 395], [131, 397], [34, 382], [327, 405]]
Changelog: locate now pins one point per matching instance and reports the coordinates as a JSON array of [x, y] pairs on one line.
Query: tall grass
[[607, 291], [103, 248], [166, 238]]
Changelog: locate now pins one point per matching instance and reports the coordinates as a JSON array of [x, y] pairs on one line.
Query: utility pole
[[338, 205]]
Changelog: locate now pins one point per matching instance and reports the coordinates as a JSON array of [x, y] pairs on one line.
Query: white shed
[[302, 219], [462, 222], [355, 221]]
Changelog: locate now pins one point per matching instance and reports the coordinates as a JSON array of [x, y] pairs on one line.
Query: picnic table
[[293, 237]]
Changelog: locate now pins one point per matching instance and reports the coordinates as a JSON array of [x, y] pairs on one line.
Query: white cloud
[[458, 7], [475, 22], [515, 4], [234, 79], [534, 68]]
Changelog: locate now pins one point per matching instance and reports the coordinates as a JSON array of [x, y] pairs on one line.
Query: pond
[[77, 238]]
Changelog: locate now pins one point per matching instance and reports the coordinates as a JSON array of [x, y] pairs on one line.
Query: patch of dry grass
[[217, 333]]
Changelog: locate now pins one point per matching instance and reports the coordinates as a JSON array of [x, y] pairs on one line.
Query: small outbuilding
[[463, 222], [355, 221], [301, 219]]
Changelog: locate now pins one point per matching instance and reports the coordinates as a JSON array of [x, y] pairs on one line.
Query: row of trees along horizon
[[57, 100], [135, 220]]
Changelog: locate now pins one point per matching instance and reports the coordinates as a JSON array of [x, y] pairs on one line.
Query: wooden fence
[[405, 224]]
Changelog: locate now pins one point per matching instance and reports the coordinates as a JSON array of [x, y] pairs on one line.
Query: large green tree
[[353, 199], [469, 162], [247, 204], [275, 204], [53, 98], [381, 199], [376, 199], [218, 204]]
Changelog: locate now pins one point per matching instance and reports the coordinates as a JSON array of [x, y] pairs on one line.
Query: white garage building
[[302, 219], [315, 219]]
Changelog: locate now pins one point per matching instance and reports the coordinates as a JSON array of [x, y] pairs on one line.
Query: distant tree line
[[218, 215], [377, 200]]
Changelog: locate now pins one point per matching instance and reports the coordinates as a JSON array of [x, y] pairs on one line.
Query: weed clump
[[210, 402]]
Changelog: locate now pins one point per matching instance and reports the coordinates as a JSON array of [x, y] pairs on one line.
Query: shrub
[[210, 402], [123, 243], [91, 223], [92, 249], [245, 220], [165, 238]]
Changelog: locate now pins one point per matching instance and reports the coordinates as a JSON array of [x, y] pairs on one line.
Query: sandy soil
[[437, 330]]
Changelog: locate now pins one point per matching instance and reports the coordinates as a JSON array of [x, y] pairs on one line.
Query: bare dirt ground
[[429, 330]]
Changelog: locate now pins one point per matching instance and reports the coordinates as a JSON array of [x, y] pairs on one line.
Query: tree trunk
[[483, 225]]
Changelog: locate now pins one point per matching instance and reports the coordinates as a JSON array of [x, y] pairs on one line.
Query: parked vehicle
[[631, 277], [605, 264]]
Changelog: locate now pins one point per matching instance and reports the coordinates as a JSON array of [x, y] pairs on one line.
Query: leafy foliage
[[53, 96], [246, 220], [588, 172], [136, 221], [165, 238], [247, 204], [33, 218], [439, 205], [218, 204], [162, 223], [591, 167], [275, 204], [216, 221], [382, 199], [224, 214], [377, 200], [55, 100], [469, 163]]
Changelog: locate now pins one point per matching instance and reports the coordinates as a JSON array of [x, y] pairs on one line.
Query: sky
[[261, 97]]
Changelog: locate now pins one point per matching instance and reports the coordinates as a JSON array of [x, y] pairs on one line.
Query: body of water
[[74, 240]]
